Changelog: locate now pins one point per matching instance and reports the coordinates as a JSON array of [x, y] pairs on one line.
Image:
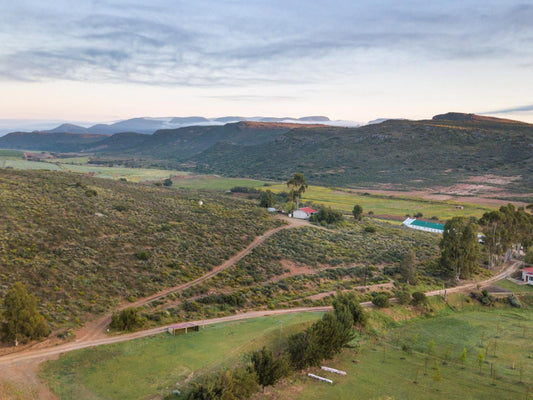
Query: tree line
[[322, 340]]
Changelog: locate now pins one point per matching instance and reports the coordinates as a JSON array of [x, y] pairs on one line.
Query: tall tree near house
[[297, 186], [459, 248], [268, 368], [408, 268], [22, 320]]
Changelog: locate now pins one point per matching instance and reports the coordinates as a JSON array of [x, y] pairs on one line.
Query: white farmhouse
[[303, 213], [527, 275]]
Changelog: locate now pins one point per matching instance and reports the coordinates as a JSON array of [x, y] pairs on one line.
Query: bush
[[514, 302], [370, 229], [419, 298], [381, 300], [126, 320], [328, 215], [142, 255], [403, 297]]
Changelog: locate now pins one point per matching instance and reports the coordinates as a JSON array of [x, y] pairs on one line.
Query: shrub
[[370, 229], [419, 298], [381, 300], [142, 255], [514, 302], [328, 215], [403, 297], [91, 193], [126, 320]]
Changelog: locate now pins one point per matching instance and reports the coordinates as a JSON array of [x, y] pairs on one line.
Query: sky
[[349, 60]]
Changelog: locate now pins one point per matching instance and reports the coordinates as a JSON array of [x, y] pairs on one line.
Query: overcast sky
[[353, 60]]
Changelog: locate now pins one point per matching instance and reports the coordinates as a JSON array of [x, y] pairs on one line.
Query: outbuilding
[[424, 225], [527, 275], [303, 213]]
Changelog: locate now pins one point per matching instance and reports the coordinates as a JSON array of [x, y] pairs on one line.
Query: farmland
[[397, 365], [157, 365]]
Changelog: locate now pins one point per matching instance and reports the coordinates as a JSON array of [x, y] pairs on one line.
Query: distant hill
[[440, 151], [52, 141], [151, 125]]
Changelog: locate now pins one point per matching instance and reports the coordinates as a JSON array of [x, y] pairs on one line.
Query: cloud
[[240, 43], [512, 110]]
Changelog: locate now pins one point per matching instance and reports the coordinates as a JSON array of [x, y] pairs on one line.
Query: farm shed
[[183, 327], [424, 225], [527, 275], [303, 213]]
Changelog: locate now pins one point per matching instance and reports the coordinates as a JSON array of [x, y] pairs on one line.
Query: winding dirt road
[[21, 366]]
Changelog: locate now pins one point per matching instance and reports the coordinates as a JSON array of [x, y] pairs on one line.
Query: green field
[[382, 370], [338, 199], [385, 205], [214, 182], [145, 367]]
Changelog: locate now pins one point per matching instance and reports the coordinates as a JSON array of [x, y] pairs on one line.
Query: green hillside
[[81, 244]]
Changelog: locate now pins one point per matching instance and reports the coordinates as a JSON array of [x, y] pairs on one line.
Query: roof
[[425, 224], [530, 270], [183, 325], [308, 210]]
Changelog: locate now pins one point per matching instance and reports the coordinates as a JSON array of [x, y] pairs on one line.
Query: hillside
[[82, 244], [449, 148]]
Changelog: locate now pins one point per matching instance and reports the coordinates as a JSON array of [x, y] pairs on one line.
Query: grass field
[[386, 205], [146, 367], [383, 370], [335, 198], [214, 182]]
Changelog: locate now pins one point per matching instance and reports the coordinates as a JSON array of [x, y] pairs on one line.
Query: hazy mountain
[[150, 125]]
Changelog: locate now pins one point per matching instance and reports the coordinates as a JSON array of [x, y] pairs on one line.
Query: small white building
[[527, 275], [303, 213]]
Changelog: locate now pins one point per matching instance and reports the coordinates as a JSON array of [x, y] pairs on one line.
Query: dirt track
[[20, 367]]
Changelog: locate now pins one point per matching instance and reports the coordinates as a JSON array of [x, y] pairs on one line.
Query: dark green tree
[[349, 301], [408, 268], [126, 320], [167, 182], [328, 215], [268, 368], [297, 186], [266, 199], [459, 248], [357, 212], [22, 320]]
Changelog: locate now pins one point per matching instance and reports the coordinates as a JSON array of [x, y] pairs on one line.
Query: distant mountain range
[[150, 125], [440, 151]]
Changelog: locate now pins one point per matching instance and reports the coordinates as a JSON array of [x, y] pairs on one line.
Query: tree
[[357, 212], [408, 268], [381, 300], [480, 357], [22, 319], [529, 255], [459, 248], [349, 301], [297, 185], [268, 368], [266, 199], [462, 357], [328, 215], [126, 320], [167, 182]]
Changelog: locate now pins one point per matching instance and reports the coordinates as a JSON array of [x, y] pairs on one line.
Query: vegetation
[[459, 248], [158, 365], [126, 320], [84, 253], [297, 186], [357, 212], [22, 320], [408, 268], [326, 216]]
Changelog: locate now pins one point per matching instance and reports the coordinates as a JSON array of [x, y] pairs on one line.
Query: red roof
[[308, 210], [530, 269]]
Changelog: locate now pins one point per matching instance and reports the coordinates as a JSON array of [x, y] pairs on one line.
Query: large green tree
[[297, 186], [459, 248], [408, 268], [357, 212], [22, 320], [268, 368]]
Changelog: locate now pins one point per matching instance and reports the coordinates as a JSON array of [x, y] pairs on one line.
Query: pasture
[[156, 365], [402, 363]]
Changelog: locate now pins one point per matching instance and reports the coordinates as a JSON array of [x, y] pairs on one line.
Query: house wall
[[300, 214]]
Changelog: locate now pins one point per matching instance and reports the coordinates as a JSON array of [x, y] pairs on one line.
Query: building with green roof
[[424, 225]]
